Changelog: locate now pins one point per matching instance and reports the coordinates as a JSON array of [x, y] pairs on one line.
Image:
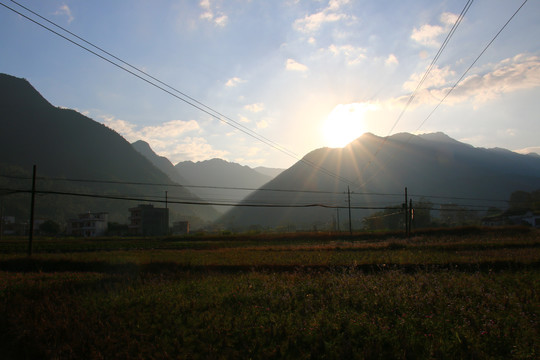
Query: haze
[[304, 74]]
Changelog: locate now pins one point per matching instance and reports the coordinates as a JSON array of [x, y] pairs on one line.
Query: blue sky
[[303, 74]]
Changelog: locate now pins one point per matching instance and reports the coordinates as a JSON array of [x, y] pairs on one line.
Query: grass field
[[462, 294]]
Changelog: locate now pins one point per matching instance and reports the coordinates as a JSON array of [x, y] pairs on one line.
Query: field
[[463, 294]]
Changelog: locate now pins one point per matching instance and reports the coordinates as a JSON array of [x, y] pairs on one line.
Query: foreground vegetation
[[306, 296]]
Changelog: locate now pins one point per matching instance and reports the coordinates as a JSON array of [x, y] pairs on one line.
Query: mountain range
[[77, 155], [434, 167], [216, 181]]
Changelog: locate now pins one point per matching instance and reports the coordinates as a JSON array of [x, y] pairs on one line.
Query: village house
[[147, 220], [88, 225]]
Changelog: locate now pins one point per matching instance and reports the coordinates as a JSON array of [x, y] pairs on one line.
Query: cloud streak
[[218, 18], [293, 65], [168, 139], [233, 82], [510, 75], [312, 23], [428, 35], [64, 10]]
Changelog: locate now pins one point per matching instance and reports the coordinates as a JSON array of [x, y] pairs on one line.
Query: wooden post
[[338, 226], [32, 203], [410, 217], [349, 199], [406, 214]]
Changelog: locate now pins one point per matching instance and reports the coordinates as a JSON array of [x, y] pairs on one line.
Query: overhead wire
[[190, 101], [420, 83], [435, 58], [470, 66], [467, 6], [319, 192], [192, 186], [204, 108], [186, 202]]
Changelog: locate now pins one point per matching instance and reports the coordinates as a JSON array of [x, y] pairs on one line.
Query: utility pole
[[1, 216], [349, 200], [166, 200], [406, 214], [338, 227], [32, 203], [411, 214]]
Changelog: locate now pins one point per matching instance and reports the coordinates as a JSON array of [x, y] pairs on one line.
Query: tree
[[50, 228], [422, 214], [520, 202], [391, 218]]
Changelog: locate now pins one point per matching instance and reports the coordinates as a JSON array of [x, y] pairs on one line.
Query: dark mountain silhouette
[[432, 166], [215, 180], [272, 172], [65, 144], [161, 162], [216, 174]]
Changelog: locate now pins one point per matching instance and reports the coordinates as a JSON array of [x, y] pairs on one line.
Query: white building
[[88, 225]]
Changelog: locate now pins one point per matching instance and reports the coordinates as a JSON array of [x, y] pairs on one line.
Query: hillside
[[160, 162], [433, 167], [66, 145], [221, 181]]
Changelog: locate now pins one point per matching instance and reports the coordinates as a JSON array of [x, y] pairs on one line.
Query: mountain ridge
[[91, 157], [434, 165]]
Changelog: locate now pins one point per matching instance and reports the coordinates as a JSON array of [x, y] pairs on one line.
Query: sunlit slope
[[432, 166]]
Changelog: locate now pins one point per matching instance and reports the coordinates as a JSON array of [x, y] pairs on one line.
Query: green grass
[[433, 296]]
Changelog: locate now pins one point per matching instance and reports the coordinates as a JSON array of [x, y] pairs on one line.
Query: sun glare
[[344, 124]]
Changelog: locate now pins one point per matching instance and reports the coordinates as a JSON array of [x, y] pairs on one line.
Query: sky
[[295, 74]]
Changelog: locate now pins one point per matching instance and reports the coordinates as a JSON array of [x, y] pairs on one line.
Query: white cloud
[[160, 137], [263, 124], [244, 119], [436, 77], [65, 10], [312, 23], [255, 108], [528, 150], [168, 139], [353, 55], [209, 14], [171, 129], [428, 35], [391, 60], [122, 127], [232, 82], [449, 18], [293, 65], [512, 74], [194, 149]]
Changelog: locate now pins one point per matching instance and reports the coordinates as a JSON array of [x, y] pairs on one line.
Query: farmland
[[462, 294]]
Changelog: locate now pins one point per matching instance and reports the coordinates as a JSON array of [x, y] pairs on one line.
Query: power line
[[185, 202], [321, 192], [430, 67], [190, 101], [195, 186], [424, 77], [467, 6], [474, 62], [258, 203]]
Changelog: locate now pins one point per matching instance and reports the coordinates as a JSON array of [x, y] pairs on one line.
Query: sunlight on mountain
[[344, 124]]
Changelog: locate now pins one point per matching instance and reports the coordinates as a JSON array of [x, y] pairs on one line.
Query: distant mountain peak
[[438, 137], [142, 144], [19, 91]]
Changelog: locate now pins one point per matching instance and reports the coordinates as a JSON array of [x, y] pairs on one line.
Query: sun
[[344, 124]]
